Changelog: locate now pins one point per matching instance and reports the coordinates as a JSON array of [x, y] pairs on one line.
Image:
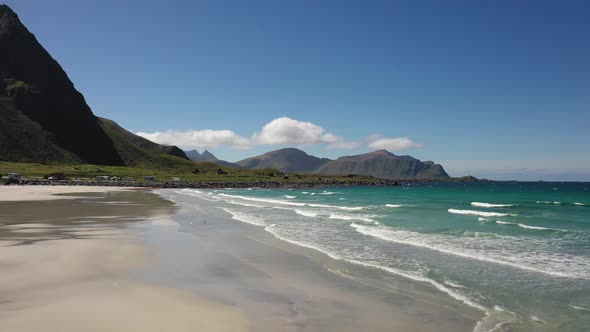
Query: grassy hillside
[[139, 152], [189, 172]]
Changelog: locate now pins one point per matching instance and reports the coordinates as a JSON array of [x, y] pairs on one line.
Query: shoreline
[[377, 293], [325, 183]]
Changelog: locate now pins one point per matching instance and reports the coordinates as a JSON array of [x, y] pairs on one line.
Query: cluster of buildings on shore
[[16, 177]]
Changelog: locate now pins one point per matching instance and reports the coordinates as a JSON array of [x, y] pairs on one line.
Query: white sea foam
[[263, 200], [530, 227], [364, 218], [541, 228], [578, 307], [249, 219], [490, 205], [347, 208], [245, 204], [394, 205], [481, 219], [327, 193], [505, 250], [579, 204], [486, 324], [289, 196], [453, 284], [306, 213], [478, 213], [312, 194], [548, 202], [290, 203]]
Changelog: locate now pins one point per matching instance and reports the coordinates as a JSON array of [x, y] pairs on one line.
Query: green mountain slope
[[44, 119]]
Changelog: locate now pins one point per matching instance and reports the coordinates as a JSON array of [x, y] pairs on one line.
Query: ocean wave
[[289, 196], [482, 219], [452, 284], [479, 213], [579, 204], [347, 208], [263, 200], [488, 247], [306, 213], [290, 203], [530, 227], [548, 202], [578, 307], [243, 217], [490, 205], [364, 218], [327, 193], [394, 205], [542, 228], [245, 204]]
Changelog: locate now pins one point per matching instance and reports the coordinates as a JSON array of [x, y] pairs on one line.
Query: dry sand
[[38, 193], [63, 275]]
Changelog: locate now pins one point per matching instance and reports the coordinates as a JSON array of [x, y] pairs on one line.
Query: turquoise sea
[[517, 251]]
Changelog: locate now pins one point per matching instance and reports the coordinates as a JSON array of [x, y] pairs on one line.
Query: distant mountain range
[[379, 164], [207, 156], [384, 164], [43, 118], [287, 160]]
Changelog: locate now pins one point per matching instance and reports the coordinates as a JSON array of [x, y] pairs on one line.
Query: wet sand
[[65, 267], [131, 261]]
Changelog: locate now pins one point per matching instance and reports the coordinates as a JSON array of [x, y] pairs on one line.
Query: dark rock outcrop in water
[[286, 160], [385, 165], [43, 118]]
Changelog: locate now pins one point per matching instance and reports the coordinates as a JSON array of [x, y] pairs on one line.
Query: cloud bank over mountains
[[280, 131]]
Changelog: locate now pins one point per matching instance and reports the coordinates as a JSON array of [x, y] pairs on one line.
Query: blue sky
[[497, 89]]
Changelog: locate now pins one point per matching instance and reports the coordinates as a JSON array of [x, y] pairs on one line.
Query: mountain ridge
[[286, 160], [44, 119], [380, 163], [385, 165]]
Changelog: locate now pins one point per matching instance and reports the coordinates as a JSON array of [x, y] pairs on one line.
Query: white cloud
[[289, 131], [198, 139], [280, 131], [378, 142]]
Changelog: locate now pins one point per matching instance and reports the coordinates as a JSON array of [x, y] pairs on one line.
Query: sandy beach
[[121, 260], [66, 260]]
